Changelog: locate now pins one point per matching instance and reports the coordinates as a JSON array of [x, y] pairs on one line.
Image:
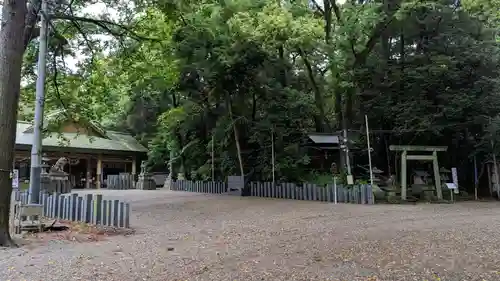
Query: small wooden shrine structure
[[433, 157], [421, 177]]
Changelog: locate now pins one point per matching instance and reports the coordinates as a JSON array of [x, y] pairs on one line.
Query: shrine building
[[93, 153]]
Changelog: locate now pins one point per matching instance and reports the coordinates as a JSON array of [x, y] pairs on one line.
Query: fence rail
[[122, 181], [88, 208], [199, 186], [358, 194]]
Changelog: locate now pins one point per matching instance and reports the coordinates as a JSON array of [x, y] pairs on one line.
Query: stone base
[[51, 185], [236, 192], [146, 182], [58, 176], [235, 185], [168, 182], [428, 195]]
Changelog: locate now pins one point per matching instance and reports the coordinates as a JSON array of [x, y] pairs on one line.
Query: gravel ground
[[216, 237]]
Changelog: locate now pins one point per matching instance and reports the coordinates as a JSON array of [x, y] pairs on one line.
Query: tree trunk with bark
[[11, 57]]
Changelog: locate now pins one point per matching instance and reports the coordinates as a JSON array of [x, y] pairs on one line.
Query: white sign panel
[[350, 179], [15, 178], [451, 185]]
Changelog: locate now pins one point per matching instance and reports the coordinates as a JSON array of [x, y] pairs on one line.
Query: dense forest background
[[186, 76]]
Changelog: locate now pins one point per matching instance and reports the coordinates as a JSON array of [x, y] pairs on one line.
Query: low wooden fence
[[199, 186], [121, 181], [357, 194], [87, 208]]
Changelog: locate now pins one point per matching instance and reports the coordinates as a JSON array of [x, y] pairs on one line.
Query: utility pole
[[369, 150], [36, 148]]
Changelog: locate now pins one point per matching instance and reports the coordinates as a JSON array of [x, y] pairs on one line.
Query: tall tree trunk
[[339, 116], [361, 56], [318, 96], [11, 58], [168, 180], [283, 67]]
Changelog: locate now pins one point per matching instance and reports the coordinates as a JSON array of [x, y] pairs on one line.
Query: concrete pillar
[[403, 175], [437, 176]]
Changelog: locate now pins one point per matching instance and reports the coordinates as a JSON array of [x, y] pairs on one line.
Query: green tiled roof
[[113, 141]]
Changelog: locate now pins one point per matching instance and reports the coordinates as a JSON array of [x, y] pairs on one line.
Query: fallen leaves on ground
[[76, 232]]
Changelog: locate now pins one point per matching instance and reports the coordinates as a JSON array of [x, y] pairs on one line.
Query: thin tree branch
[[340, 20], [381, 26], [85, 38], [336, 11], [70, 6], [318, 6], [317, 91], [56, 84], [57, 35], [112, 28]]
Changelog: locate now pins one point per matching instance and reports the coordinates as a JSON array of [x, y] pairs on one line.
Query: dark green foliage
[[425, 73]]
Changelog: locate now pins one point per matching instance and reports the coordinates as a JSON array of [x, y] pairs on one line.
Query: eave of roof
[[324, 138], [115, 141]]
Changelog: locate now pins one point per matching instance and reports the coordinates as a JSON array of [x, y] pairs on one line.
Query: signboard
[[15, 179], [451, 186], [350, 179]]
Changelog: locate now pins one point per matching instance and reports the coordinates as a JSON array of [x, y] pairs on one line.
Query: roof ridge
[[83, 141], [50, 116]]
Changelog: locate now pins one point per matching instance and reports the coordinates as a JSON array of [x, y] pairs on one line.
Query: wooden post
[[475, 178], [272, 155], [70, 176], [437, 176], [88, 177], [396, 172], [403, 175], [99, 171], [489, 179], [213, 158], [134, 167]]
